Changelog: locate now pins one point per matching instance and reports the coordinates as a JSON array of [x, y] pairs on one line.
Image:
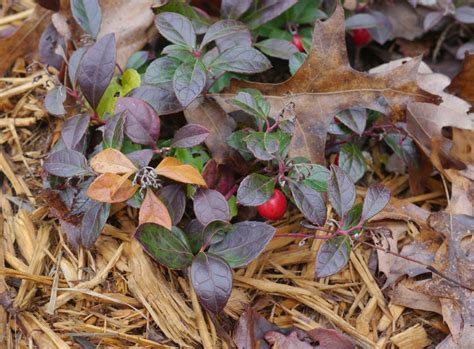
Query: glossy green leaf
[[333, 255], [278, 48], [352, 161], [242, 59], [189, 81], [255, 190], [176, 28], [161, 70], [167, 247], [222, 29]]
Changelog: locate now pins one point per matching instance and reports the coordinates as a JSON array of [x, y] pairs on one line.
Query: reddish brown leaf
[[24, 41], [331, 339], [462, 83], [326, 84], [111, 188], [113, 161], [280, 341], [154, 211], [173, 169]]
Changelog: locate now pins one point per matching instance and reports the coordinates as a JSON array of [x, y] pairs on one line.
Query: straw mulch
[[114, 296]]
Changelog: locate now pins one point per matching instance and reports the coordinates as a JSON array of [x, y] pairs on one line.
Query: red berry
[[297, 42], [274, 208], [361, 37]]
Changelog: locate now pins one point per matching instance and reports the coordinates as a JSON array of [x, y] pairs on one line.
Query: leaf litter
[[136, 296]]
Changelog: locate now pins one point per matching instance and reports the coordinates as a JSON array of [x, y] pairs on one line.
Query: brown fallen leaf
[[250, 330], [153, 210], [111, 188], [326, 84], [280, 341], [405, 293], [206, 112], [462, 84], [174, 169], [24, 41], [113, 161]]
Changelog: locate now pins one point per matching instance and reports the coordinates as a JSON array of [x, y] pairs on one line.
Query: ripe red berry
[[297, 42], [361, 36], [274, 208]]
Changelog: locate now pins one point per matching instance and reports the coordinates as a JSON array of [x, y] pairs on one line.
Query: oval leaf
[[176, 28], [309, 202], [174, 169], [154, 211], [376, 199], [243, 243], [142, 124], [242, 59], [161, 98], [113, 161], [199, 235], [113, 131], [167, 247], [54, 100], [342, 193], [333, 256], [210, 205], [93, 222], [67, 163], [88, 15], [255, 190], [188, 82], [97, 68], [222, 29], [111, 188], [278, 48], [189, 136], [74, 62], [74, 130], [352, 161], [174, 198], [211, 278], [161, 70]]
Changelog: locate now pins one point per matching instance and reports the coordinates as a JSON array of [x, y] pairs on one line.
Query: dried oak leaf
[[24, 41], [326, 84], [462, 83]]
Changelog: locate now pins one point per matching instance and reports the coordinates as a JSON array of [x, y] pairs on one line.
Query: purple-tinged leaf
[[383, 32], [431, 19], [72, 232], [189, 136], [113, 131], [67, 163], [88, 15], [223, 29], [252, 102], [342, 193], [255, 190], [161, 98], [233, 8], [239, 39], [267, 10], [352, 161], [331, 339], [376, 199], [354, 118], [53, 5], [137, 60], [176, 28], [467, 47], [200, 236], [140, 158], [167, 247], [97, 68], [309, 202], [243, 243], [74, 130], [211, 278], [54, 101], [174, 198], [142, 124], [464, 14], [241, 59], [189, 81], [291, 341], [74, 62], [333, 255], [48, 42], [251, 329], [161, 70], [362, 20], [210, 205], [179, 52], [93, 222], [278, 48]]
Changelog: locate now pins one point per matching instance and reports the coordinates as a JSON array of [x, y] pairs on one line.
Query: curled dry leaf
[[111, 188], [153, 210], [113, 161], [326, 84], [462, 83], [174, 169]]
